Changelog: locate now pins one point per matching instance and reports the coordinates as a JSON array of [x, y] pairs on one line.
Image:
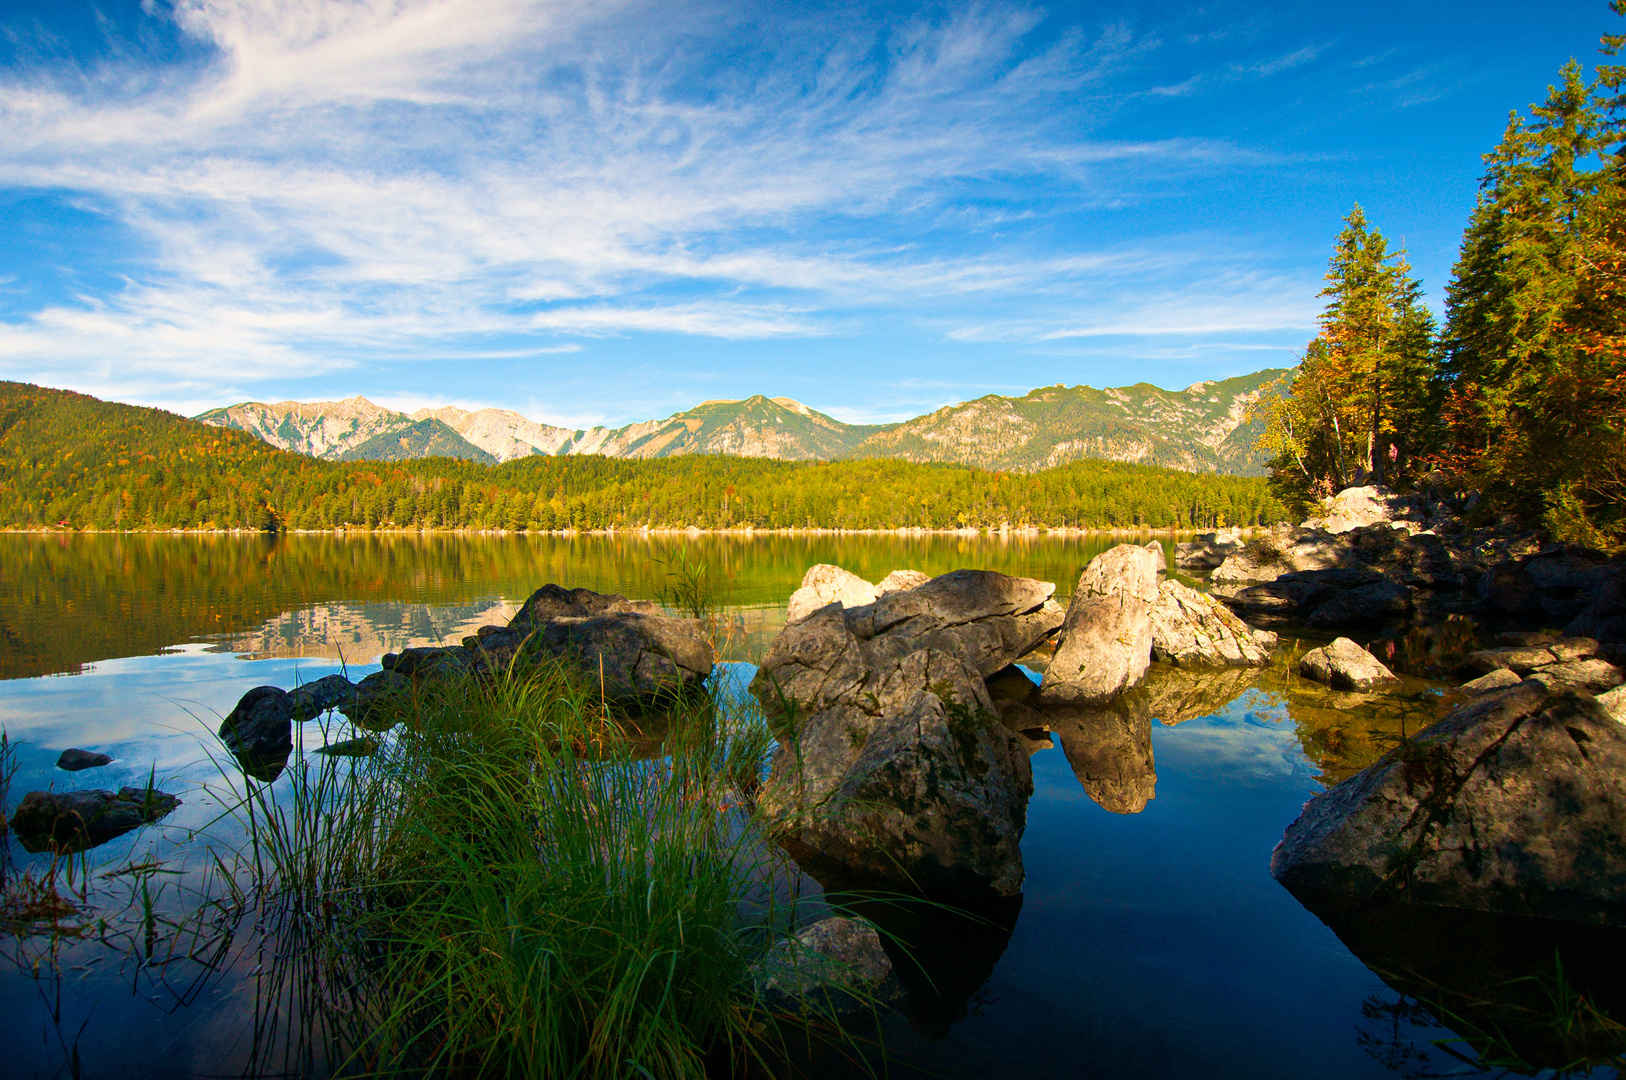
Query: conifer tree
[[1358, 407], [1533, 378]]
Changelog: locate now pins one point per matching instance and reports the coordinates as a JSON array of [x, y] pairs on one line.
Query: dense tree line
[[67, 460], [1521, 395]]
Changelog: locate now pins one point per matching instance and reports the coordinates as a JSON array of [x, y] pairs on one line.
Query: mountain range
[[1203, 428]]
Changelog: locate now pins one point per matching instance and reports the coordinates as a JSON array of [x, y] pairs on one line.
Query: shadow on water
[[1522, 994]]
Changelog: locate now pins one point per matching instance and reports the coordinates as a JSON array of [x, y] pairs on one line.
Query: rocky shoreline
[[904, 723]]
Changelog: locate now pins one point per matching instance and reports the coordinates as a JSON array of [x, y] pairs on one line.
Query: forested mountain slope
[[69, 460]]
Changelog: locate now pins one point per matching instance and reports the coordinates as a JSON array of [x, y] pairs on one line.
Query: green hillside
[[424, 438], [69, 460]]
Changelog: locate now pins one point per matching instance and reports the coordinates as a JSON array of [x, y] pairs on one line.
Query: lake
[[1151, 940]]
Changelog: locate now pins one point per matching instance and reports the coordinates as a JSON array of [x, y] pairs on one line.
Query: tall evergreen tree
[[1532, 377], [1357, 408]]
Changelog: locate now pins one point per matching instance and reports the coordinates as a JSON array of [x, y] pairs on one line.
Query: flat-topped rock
[[73, 821], [1587, 676], [1344, 665], [1499, 679], [1523, 659], [989, 619]]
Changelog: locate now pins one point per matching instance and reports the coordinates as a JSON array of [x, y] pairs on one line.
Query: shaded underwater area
[[1150, 939]]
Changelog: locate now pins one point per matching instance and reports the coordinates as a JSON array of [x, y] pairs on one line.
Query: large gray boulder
[[1373, 504], [1344, 665], [990, 620], [914, 781], [72, 821], [1286, 551], [892, 761], [1190, 629], [627, 650], [1105, 643], [826, 584], [1514, 803]]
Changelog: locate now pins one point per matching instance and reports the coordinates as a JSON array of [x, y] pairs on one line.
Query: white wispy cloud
[[318, 183]]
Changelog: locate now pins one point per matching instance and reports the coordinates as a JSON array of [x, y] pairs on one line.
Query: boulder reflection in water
[[1110, 751], [1525, 992]]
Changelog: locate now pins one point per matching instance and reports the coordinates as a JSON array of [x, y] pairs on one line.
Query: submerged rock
[[1480, 973], [259, 732], [1105, 643], [1514, 803], [835, 966], [72, 821], [1344, 665], [826, 584], [74, 760], [1190, 629], [361, 747]]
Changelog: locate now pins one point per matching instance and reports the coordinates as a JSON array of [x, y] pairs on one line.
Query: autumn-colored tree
[[1533, 382], [1358, 407]]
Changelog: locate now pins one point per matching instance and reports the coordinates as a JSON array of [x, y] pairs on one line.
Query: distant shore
[[665, 531]]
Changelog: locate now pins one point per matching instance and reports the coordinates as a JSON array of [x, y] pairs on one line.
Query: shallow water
[[1148, 943]]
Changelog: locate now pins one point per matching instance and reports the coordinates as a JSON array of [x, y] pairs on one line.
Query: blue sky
[[604, 212]]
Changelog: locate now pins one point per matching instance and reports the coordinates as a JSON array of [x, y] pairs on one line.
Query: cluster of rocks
[[893, 762], [1375, 558], [633, 653], [905, 728]]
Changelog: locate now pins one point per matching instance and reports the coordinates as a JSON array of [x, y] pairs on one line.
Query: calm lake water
[[1148, 944]]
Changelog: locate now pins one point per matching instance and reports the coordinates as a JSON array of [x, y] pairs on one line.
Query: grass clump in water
[[506, 888]]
